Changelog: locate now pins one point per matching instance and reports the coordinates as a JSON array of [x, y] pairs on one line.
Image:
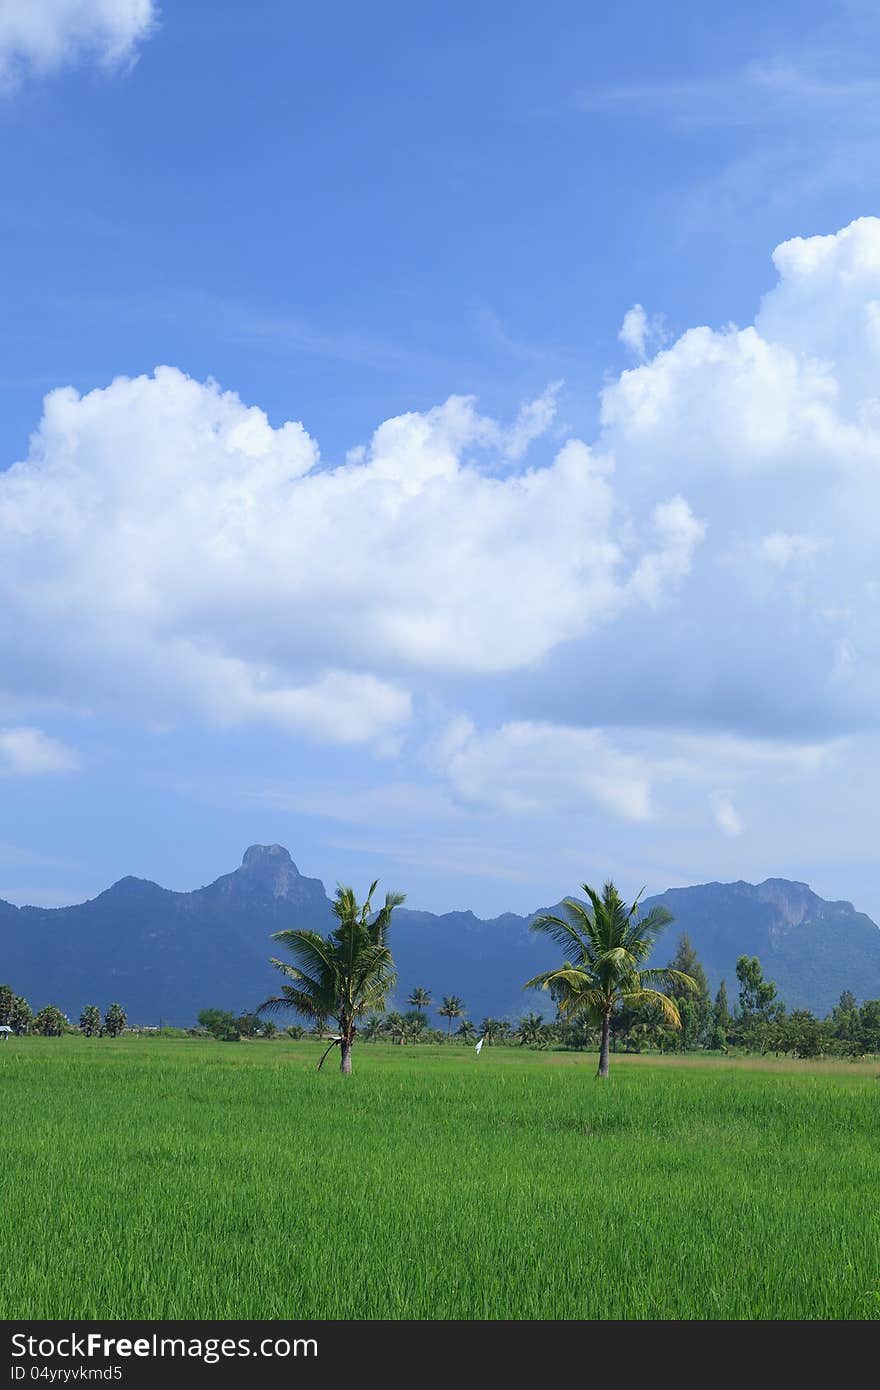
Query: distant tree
[[405, 1028], [577, 1032], [220, 1023], [7, 999], [50, 1022], [90, 1021], [345, 975], [532, 1031], [21, 1018], [760, 1010], [492, 1029], [801, 1033], [268, 1029], [466, 1030], [420, 999], [295, 1031], [756, 995], [114, 1020], [644, 1025], [249, 1025], [869, 1023], [718, 1029], [844, 1028], [694, 1006], [605, 946], [721, 1010], [374, 1027], [452, 1007], [395, 1026], [415, 1025]]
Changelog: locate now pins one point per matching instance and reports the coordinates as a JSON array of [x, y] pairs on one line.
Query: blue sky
[[504, 512]]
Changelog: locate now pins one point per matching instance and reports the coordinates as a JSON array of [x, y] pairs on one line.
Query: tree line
[[50, 1022], [605, 992]]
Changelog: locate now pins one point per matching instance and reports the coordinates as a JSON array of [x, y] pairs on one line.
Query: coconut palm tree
[[419, 999], [344, 975], [397, 1028], [532, 1031], [416, 1023], [605, 944], [466, 1031], [451, 1008]]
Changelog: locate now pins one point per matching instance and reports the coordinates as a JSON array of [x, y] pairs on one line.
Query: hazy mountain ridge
[[166, 954]]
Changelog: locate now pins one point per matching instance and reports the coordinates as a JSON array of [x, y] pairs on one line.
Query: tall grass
[[202, 1180]]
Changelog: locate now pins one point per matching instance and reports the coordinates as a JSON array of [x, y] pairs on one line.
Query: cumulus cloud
[[710, 562], [163, 544], [28, 752], [42, 36], [771, 432]]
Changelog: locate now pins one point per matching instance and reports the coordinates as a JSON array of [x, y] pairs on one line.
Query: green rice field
[[151, 1178]]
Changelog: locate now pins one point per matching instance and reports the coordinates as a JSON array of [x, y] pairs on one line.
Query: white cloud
[[172, 549], [781, 548], [42, 36], [710, 563], [765, 92], [676, 534], [641, 334], [534, 419], [528, 767], [771, 432], [727, 818], [28, 752], [635, 774]]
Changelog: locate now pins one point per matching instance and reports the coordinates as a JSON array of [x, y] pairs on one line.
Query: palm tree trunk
[[345, 1064], [603, 1048]]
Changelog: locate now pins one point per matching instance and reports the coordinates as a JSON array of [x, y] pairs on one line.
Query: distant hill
[[813, 949], [165, 955]]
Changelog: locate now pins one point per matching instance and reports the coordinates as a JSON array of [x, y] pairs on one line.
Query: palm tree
[[451, 1008], [344, 975], [492, 1028], [532, 1031], [374, 1027], [419, 999], [466, 1031], [415, 1025], [397, 1028], [604, 945]]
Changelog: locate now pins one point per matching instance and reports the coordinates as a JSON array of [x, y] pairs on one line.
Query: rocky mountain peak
[[268, 858], [270, 869]]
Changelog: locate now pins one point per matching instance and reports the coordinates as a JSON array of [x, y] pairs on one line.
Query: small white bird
[[479, 1047]]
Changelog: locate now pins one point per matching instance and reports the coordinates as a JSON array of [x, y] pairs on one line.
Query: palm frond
[[665, 975], [291, 999], [667, 1006], [568, 935]]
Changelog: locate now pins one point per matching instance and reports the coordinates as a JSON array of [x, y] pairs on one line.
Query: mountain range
[[165, 955]]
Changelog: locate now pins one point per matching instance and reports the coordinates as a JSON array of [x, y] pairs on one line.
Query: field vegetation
[[149, 1177]]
